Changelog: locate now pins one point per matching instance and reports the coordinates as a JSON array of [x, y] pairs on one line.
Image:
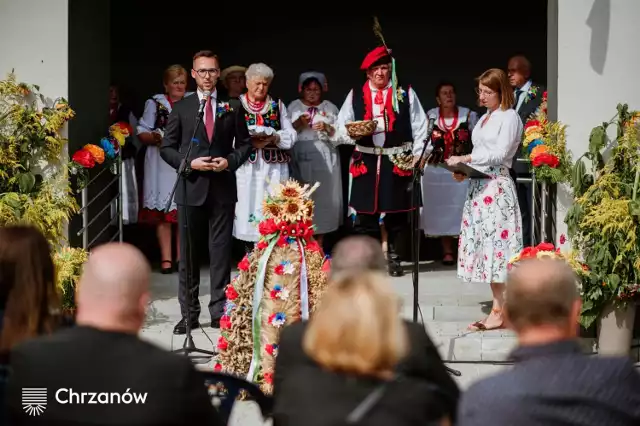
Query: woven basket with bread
[[357, 129]]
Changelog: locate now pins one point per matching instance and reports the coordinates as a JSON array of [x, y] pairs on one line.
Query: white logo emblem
[[34, 400]]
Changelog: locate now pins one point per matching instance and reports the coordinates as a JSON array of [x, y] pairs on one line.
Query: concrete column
[[35, 42], [597, 68]]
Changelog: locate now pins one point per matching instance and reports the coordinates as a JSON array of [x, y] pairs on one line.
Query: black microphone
[[432, 122], [203, 102]]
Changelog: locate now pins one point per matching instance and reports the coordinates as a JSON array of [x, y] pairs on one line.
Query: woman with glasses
[[159, 176], [491, 222], [273, 136]]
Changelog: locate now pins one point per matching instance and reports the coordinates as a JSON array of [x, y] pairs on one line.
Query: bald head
[[541, 293], [359, 253], [518, 71], [113, 289]]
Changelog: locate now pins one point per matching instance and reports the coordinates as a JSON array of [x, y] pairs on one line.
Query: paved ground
[[447, 307]]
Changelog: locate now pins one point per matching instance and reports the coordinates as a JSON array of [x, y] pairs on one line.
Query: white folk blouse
[[496, 142]]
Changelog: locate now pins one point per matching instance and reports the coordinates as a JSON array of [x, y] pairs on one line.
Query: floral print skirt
[[491, 231]]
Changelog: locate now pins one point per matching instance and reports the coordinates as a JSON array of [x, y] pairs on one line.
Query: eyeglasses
[[211, 71], [480, 92]]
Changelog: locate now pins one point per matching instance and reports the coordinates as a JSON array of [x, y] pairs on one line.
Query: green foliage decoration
[[604, 220], [34, 178]]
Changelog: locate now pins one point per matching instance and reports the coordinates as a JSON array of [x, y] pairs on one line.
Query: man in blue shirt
[[553, 382]]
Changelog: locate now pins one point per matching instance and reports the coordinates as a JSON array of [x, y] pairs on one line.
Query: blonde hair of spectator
[[357, 327]]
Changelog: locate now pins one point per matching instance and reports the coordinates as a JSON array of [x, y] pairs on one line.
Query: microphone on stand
[[432, 123], [203, 102]]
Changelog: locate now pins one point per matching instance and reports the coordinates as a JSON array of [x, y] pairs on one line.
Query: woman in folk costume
[[315, 159], [491, 231], [159, 177], [382, 161], [444, 197], [273, 136]]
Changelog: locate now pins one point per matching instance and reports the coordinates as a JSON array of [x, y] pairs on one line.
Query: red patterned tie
[[209, 118]]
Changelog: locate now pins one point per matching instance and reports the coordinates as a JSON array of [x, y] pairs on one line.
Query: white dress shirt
[[214, 97], [523, 93]]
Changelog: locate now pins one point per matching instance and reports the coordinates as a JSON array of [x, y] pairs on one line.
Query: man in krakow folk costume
[[380, 171]]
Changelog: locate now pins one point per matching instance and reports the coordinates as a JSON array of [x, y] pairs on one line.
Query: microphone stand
[[418, 172], [188, 346]]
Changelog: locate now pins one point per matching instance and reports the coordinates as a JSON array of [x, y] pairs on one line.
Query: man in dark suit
[[220, 146], [528, 97], [553, 382], [100, 372]]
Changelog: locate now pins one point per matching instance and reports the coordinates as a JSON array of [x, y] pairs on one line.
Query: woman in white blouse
[[491, 223], [315, 159]]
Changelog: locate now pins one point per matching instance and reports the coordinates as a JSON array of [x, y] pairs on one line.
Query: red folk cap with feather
[[374, 56]]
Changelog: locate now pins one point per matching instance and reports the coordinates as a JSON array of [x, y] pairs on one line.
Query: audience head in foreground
[[552, 382], [29, 299], [543, 302], [113, 291], [104, 356], [358, 253], [357, 327]]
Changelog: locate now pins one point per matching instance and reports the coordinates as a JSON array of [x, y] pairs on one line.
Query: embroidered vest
[[401, 132], [271, 118], [447, 143], [162, 116]]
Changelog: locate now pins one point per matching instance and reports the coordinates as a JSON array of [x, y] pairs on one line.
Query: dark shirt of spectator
[[553, 382]]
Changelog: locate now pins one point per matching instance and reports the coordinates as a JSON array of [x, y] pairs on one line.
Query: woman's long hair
[[357, 328], [497, 80], [28, 294]]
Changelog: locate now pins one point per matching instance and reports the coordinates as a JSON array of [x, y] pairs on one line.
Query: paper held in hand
[[466, 170]]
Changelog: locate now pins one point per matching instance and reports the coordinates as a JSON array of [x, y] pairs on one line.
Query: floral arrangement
[[604, 220], [223, 108], [34, 182], [107, 152], [545, 145], [278, 283], [549, 251]]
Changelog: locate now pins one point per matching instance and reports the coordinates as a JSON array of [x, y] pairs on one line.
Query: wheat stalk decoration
[[377, 30]]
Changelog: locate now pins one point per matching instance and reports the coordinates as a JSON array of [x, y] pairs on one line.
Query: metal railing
[[87, 201], [540, 208]]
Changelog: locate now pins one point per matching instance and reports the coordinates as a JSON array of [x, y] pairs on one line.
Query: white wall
[[598, 67], [34, 41]]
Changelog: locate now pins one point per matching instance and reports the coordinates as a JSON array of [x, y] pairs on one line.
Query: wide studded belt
[[378, 150]]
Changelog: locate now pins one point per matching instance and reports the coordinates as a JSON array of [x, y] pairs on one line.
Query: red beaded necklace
[[442, 123], [255, 106]]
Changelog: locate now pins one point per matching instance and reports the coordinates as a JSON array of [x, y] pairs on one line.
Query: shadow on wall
[[600, 22]]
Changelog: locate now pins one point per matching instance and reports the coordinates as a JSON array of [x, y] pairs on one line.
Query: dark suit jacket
[[305, 394], [530, 106], [84, 359], [556, 385], [177, 137]]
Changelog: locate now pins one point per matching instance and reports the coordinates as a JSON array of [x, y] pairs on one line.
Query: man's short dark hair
[[205, 54], [359, 253]]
